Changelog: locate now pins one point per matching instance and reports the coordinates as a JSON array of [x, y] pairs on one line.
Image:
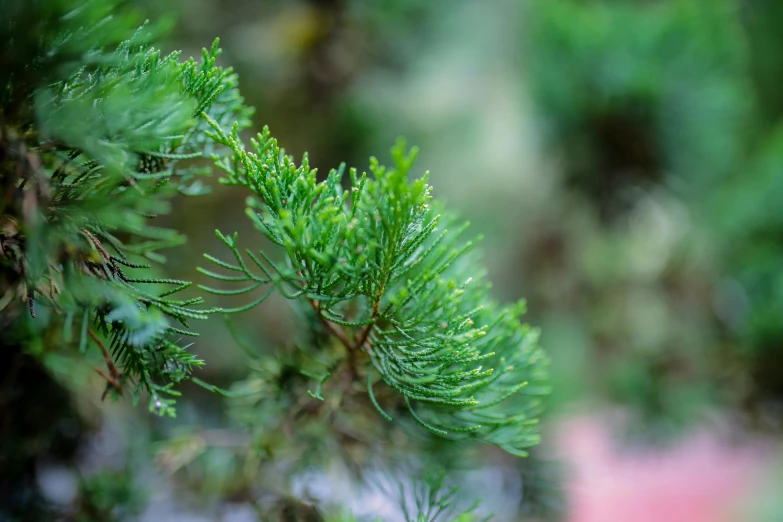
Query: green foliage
[[99, 131], [668, 74], [667, 112], [109, 496], [651, 105], [392, 280], [433, 500], [92, 151]]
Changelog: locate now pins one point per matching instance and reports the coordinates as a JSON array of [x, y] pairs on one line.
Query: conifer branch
[[371, 259], [89, 154]]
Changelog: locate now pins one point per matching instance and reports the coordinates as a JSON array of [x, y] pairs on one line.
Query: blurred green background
[[623, 159]]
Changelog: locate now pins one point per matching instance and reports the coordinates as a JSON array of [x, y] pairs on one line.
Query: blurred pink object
[[699, 479]]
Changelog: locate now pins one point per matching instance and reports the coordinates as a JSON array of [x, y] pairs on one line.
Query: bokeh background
[[623, 160]]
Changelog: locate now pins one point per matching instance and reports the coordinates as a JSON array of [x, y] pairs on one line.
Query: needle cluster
[[393, 279]]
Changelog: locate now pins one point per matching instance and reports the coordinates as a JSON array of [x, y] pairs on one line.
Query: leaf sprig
[[394, 281]]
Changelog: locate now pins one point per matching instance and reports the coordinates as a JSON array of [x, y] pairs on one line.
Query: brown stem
[[365, 332], [353, 347], [333, 329], [114, 377], [353, 367]]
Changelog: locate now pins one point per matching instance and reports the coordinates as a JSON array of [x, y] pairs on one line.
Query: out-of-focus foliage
[[95, 133], [660, 112], [639, 95]]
